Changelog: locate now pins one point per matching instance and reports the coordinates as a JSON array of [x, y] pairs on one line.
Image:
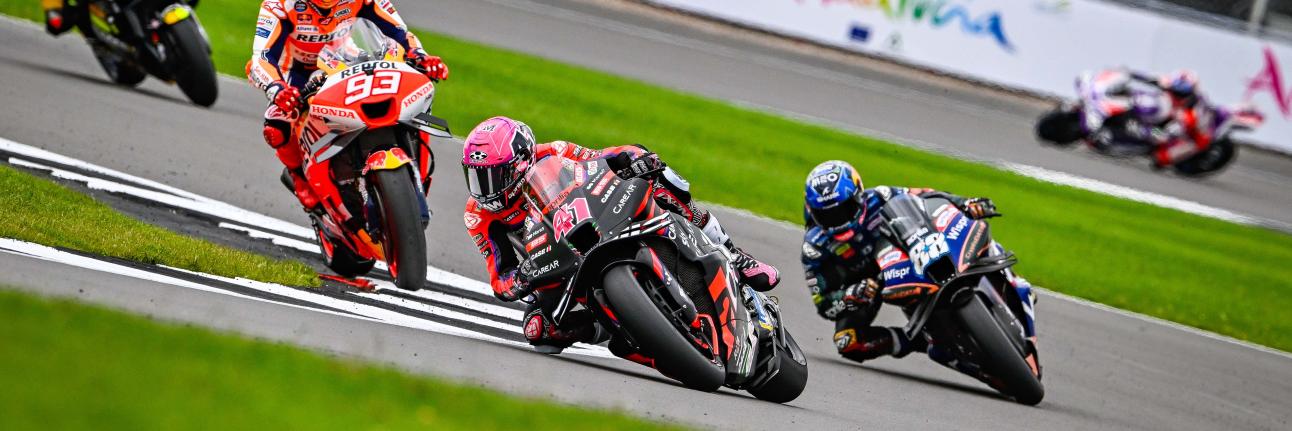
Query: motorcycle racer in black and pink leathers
[[497, 154]]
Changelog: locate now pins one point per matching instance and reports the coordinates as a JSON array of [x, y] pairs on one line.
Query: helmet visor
[[837, 216], [489, 182]]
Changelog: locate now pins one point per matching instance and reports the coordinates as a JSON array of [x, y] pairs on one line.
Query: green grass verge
[[1210, 274], [41, 211], [142, 374]]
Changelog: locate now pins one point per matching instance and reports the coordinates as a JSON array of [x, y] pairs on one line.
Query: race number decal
[[928, 249], [362, 86], [569, 215]]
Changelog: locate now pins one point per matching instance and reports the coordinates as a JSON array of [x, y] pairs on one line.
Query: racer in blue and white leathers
[[843, 275]]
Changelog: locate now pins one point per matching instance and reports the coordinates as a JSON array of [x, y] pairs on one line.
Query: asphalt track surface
[[1103, 370], [849, 92]]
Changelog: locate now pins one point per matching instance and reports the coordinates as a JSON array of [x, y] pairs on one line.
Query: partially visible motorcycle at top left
[[162, 38]]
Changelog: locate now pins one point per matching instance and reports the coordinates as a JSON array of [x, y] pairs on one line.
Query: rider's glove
[[285, 97], [517, 289], [642, 166], [979, 208], [433, 66], [860, 295]]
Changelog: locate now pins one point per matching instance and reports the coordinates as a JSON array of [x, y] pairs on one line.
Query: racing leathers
[[289, 36], [843, 276], [492, 232], [1146, 112]]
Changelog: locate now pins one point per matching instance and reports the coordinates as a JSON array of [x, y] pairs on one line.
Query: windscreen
[[906, 217], [550, 180], [365, 43]]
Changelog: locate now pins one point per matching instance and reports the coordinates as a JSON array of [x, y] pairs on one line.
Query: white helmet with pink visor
[[496, 156]]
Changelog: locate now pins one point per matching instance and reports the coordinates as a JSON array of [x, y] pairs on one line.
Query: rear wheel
[[656, 336], [120, 70], [1060, 127], [1210, 162], [404, 244], [1000, 357], [194, 72], [788, 384]]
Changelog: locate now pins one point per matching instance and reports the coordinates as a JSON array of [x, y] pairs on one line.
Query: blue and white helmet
[[833, 195]]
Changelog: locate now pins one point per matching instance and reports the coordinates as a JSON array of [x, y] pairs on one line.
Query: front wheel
[[1210, 162], [191, 63], [674, 356], [789, 382], [1000, 357], [404, 244], [1060, 127]]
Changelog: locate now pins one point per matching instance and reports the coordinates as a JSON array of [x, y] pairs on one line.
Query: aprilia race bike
[[652, 278], [940, 267], [365, 132], [1120, 113], [136, 38]]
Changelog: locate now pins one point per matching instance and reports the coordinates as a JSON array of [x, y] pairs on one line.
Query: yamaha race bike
[[653, 279], [1120, 113], [941, 267], [365, 131], [163, 38]]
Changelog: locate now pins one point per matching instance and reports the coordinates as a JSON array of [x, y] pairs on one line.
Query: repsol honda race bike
[[1098, 114], [136, 38], [940, 267], [653, 279], [365, 132]]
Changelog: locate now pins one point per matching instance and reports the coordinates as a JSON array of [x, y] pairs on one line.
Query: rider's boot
[[758, 275], [1170, 152], [294, 179], [546, 337], [871, 342], [276, 134]]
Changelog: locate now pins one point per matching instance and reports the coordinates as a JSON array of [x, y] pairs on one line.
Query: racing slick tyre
[[404, 243], [788, 384], [191, 63], [1001, 358], [1060, 127], [674, 356], [119, 70], [1210, 162]]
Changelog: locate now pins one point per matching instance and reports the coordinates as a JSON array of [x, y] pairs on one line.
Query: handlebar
[[420, 69]]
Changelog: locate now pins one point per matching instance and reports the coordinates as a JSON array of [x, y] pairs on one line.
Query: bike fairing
[[289, 36], [490, 229]]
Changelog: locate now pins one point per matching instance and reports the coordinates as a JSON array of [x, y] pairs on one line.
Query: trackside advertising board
[[1035, 45]]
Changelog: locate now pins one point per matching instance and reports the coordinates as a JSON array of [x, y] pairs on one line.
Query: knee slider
[[276, 133]]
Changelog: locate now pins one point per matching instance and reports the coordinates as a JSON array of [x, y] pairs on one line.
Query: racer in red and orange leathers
[[497, 154], [284, 53]]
